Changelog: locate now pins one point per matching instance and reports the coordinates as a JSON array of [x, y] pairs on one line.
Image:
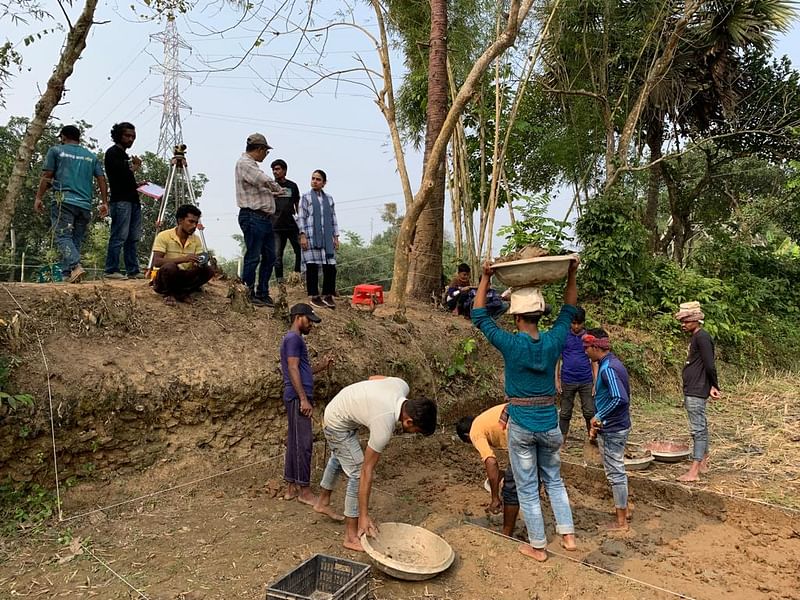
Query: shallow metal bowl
[[532, 272], [666, 451], [638, 464], [408, 552]]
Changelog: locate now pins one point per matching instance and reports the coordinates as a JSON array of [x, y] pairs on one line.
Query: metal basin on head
[[533, 272], [408, 552]]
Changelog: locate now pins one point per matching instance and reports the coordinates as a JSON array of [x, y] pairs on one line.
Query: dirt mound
[[133, 380]]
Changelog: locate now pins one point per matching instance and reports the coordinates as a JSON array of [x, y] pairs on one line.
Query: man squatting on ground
[[126, 210], [69, 170], [255, 192], [377, 404], [176, 256], [298, 388], [534, 439], [612, 423], [487, 433], [699, 383], [575, 375]]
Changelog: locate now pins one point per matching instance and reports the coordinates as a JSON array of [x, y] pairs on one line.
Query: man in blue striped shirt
[[612, 421]]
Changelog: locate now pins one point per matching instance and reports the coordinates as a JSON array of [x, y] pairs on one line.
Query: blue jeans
[[126, 229], [347, 456], [533, 453], [69, 226], [612, 449], [259, 242], [696, 409]]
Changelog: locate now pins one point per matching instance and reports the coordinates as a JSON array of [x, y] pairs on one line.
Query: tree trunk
[[426, 262], [73, 47], [655, 139], [518, 12]]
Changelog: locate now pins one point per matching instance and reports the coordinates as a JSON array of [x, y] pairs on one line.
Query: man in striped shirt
[[255, 196], [612, 421]]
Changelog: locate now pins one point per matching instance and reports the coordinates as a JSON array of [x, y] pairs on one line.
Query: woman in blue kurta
[[319, 239]]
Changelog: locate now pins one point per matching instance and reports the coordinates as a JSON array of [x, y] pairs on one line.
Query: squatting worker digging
[[486, 433], [612, 422], [534, 439], [298, 387], [699, 384], [377, 404]]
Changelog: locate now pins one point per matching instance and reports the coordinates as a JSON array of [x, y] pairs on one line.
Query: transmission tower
[[171, 133]]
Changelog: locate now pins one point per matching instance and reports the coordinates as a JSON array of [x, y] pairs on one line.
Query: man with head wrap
[[699, 384]]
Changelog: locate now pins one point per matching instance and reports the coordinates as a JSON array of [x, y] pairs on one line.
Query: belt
[[263, 213], [532, 401]]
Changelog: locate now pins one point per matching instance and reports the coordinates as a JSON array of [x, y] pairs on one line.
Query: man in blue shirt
[[534, 439], [69, 170], [575, 375], [612, 423], [298, 389]]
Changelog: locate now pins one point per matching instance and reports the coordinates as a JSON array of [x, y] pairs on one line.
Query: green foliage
[[13, 400], [458, 360], [534, 227], [24, 506], [614, 255]]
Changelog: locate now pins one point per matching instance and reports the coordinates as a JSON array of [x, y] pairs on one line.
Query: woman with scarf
[[319, 240]]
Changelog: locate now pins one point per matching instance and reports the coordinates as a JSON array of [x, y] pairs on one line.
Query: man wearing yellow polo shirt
[[486, 433], [176, 255]]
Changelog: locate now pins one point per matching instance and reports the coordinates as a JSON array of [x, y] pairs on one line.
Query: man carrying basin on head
[[378, 404], [487, 433], [534, 439]]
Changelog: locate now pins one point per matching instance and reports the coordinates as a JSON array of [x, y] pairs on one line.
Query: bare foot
[[629, 512], [689, 477], [704, 467], [170, 300], [536, 554], [324, 509], [616, 526], [353, 545], [309, 499], [291, 492], [568, 542]]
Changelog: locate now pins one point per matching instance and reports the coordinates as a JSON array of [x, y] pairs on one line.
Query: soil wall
[[133, 381]]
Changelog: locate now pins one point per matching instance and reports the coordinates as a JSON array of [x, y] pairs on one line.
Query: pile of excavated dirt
[[134, 381]]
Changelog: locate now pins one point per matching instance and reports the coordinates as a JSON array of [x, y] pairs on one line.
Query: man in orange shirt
[[486, 434]]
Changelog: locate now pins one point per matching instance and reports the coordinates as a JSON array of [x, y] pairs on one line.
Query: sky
[[229, 86]]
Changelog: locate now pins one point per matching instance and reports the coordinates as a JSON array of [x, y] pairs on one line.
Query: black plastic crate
[[323, 577]]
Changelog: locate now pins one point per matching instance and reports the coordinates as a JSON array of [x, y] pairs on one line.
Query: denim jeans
[[69, 226], [259, 243], [532, 453], [568, 393], [612, 449], [347, 456], [126, 229], [509, 491], [696, 410]]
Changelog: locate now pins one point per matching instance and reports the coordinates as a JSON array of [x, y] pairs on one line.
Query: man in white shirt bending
[[377, 404]]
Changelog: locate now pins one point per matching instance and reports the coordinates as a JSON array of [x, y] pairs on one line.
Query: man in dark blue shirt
[[612, 423], [575, 375], [298, 388]]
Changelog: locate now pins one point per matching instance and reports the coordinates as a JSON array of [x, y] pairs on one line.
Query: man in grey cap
[[255, 192]]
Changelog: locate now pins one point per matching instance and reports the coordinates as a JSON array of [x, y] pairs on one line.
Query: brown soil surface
[[149, 398], [230, 536]]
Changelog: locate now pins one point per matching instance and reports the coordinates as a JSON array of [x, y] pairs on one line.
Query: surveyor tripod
[[179, 189]]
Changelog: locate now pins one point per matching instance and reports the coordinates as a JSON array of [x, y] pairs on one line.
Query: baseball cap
[[527, 300], [304, 309], [257, 138]]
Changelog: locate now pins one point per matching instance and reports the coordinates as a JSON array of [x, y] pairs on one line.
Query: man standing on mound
[[298, 387], [699, 384], [534, 439], [377, 404]]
